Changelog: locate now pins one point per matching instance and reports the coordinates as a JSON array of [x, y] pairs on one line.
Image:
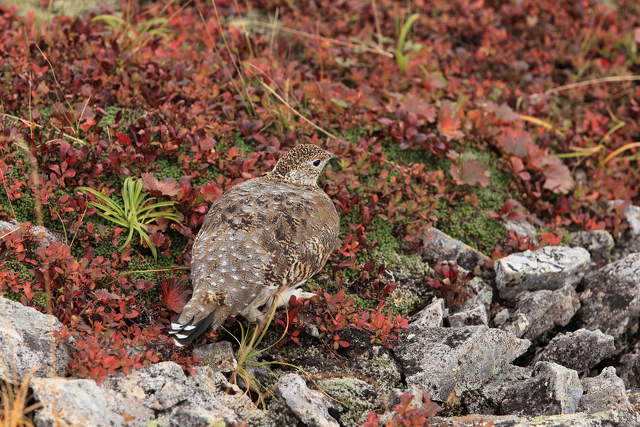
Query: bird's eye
[[316, 163]]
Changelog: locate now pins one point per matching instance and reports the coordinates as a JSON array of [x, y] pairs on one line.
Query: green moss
[[472, 224], [356, 397], [17, 267], [242, 145], [164, 168], [121, 116], [381, 237], [23, 208], [403, 301], [409, 157], [40, 299]]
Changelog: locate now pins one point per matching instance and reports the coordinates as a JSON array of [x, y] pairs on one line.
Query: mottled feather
[[259, 237]]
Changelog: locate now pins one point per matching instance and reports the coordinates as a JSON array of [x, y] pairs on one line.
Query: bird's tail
[[184, 334]]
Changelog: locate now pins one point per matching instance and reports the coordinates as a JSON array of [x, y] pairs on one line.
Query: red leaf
[[449, 122], [515, 141], [174, 297], [167, 187], [470, 172], [210, 191], [124, 139], [87, 125], [557, 174]]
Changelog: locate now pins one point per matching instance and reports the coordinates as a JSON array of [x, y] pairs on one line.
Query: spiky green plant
[[138, 210], [248, 352]]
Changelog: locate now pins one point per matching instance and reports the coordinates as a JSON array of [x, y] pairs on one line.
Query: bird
[[263, 237]]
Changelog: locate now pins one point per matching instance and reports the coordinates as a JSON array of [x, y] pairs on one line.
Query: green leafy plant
[[402, 44], [138, 210]]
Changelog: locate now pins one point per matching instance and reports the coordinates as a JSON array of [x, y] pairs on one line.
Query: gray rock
[[551, 267], [355, 397], [445, 360], [84, 403], [472, 316], [432, 315], [475, 310], [310, 406], [604, 392], [612, 296], [501, 317], [629, 368], [439, 247], [43, 234], [27, 341], [481, 293], [204, 397], [539, 312], [218, 355], [580, 419], [521, 228], [632, 214], [488, 399], [599, 243], [580, 350], [552, 389], [159, 387]]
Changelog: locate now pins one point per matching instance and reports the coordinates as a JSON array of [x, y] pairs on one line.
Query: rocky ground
[[549, 339]]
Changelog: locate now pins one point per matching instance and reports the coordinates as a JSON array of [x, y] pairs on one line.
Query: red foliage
[[101, 107], [451, 283]]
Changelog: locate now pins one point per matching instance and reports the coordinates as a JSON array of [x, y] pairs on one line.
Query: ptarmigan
[[267, 234]]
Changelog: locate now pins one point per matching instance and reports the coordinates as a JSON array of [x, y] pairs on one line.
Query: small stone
[[522, 229], [501, 317], [310, 406], [39, 232], [26, 342], [599, 243], [629, 368], [552, 389], [551, 267], [632, 214], [580, 350], [540, 311], [446, 360], [612, 296], [218, 355], [439, 247], [432, 315], [604, 392], [469, 317]]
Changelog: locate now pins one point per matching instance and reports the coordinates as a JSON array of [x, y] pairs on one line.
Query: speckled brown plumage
[[261, 236]]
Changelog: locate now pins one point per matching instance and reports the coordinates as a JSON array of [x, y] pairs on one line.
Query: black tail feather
[[183, 335]]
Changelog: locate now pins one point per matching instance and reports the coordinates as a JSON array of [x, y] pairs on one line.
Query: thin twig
[[315, 126], [610, 79], [34, 124], [272, 26]]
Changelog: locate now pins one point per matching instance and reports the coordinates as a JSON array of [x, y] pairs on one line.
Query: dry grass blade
[[610, 79], [297, 113], [14, 404], [274, 27], [620, 150]]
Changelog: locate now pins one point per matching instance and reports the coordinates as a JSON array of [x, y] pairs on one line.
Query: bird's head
[[302, 165]]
